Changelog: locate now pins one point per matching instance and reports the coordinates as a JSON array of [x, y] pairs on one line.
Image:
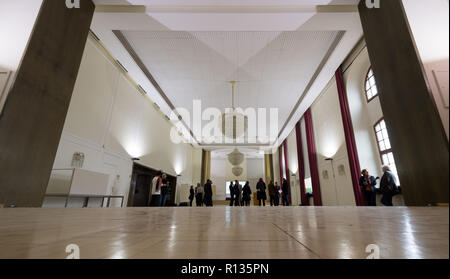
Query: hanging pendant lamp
[[233, 124], [236, 158]]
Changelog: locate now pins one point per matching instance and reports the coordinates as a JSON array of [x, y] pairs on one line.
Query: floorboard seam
[[298, 241]]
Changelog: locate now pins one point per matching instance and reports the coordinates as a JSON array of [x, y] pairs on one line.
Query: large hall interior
[[219, 129]]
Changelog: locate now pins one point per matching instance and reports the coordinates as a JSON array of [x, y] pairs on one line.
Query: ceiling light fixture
[[236, 158], [237, 171], [233, 124]]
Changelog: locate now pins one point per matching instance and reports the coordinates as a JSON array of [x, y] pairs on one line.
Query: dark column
[[33, 117], [415, 128]]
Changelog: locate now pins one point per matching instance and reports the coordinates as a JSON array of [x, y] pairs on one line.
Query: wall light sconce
[[332, 166], [341, 170], [78, 160]]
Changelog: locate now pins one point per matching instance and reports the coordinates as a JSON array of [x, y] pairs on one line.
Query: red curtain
[[286, 167], [317, 195], [352, 150], [301, 164]]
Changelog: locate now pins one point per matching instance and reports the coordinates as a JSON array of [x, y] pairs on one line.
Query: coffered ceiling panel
[[281, 52], [272, 68]]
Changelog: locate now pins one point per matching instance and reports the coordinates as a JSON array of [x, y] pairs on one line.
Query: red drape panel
[[301, 164], [352, 150], [286, 167], [317, 195]]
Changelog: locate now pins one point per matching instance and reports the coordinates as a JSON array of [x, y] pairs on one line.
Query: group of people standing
[[388, 187], [202, 194], [276, 192], [240, 195], [159, 194]]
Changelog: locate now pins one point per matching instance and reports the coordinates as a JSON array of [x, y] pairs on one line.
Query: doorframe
[[140, 169]]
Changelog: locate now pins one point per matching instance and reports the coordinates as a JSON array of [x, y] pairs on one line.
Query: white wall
[[329, 136], [17, 19], [305, 148], [196, 165], [221, 172], [111, 122], [364, 115], [276, 166], [430, 26], [330, 143], [293, 167], [255, 171], [219, 176]]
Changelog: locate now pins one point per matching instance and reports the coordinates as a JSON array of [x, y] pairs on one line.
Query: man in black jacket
[[231, 193], [208, 193], [368, 184], [388, 187], [286, 192]]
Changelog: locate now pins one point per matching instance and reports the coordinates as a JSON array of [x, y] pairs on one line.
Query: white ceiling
[[272, 68], [192, 54], [225, 2], [249, 153]]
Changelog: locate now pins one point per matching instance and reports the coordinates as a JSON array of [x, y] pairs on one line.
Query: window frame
[[365, 86], [387, 151]]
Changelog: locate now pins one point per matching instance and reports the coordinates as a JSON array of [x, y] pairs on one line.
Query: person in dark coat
[[286, 192], [367, 184], [208, 193], [237, 193], [261, 194], [272, 193], [199, 195], [165, 190], [241, 201], [237, 196], [246, 194], [231, 187], [277, 194], [191, 195], [388, 186]]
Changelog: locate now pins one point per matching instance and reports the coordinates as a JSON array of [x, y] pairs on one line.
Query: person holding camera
[[199, 195], [164, 190], [367, 184]]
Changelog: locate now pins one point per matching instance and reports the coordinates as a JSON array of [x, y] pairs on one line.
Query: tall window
[[384, 145], [371, 86], [308, 185]]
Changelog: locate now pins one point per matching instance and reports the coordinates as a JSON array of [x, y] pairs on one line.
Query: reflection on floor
[[223, 232]]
